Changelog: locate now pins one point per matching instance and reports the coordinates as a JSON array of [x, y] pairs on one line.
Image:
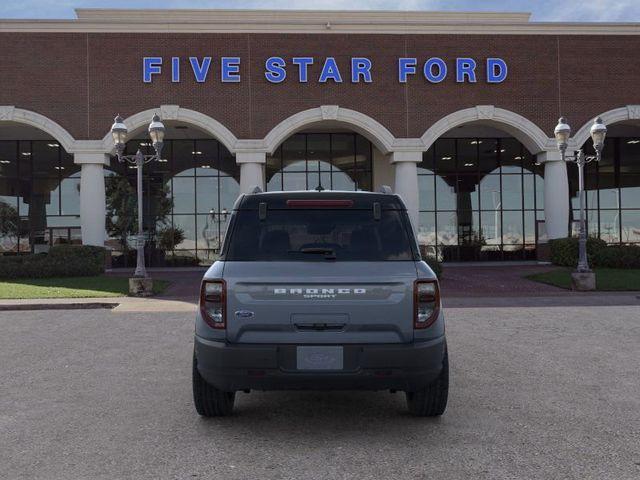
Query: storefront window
[[39, 196], [479, 199], [192, 189], [330, 161], [612, 192]]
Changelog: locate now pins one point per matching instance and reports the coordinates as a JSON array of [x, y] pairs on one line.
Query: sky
[[542, 10]]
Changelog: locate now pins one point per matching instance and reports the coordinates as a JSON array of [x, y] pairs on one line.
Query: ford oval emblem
[[244, 314]]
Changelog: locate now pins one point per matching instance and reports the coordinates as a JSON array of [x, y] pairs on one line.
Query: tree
[[122, 209], [9, 221]]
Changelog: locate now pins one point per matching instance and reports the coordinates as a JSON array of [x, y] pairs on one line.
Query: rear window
[[319, 235]]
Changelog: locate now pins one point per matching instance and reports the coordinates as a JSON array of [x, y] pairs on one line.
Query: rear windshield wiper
[[328, 253]]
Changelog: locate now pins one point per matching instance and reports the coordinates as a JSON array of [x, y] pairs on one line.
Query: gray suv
[[320, 290]]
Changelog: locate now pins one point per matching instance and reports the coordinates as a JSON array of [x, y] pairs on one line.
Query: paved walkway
[[463, 286]]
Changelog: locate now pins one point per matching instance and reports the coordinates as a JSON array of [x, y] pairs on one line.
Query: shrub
[[169, 237], [618, 256], [61, 261], [564, 251]]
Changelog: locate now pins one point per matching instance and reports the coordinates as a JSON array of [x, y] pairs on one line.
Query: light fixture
[[53, 145], [633, 142], [162, 160], [205, 166], [468, 164], [145, 144], [119, 133], [156, 132], [562, 133], [25, 154], [476, 142], [517, 158], [447, 158], [58, 168], [196, 152], [598, 134], [4, 162]]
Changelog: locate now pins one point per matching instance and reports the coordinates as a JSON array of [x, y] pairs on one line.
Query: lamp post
[[119, 133], [562, 133]]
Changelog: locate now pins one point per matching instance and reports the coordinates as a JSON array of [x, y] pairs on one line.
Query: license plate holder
[[319, 358]]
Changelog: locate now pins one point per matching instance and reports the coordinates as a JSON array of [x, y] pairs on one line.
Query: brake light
[[213, 303], [320, 203], [426, 299]]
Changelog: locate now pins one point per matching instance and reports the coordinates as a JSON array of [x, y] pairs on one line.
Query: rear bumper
[[232, 367]]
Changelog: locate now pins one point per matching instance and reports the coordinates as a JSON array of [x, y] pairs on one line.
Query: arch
[[9, 113], [177, 113], [382, 138], [629, 112], [527, 132]]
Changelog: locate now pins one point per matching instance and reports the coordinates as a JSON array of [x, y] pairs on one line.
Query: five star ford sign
[[361, 69]]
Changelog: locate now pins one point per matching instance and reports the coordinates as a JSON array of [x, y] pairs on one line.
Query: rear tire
[[208, 400], [431, 401]]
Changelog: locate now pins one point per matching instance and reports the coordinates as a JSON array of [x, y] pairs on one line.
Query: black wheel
[[209, 401], [431, 401]]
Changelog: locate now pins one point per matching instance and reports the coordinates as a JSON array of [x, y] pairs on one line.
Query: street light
[[119, 133], [598, 133]]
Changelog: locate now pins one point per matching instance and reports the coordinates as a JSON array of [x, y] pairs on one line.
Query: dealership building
[[454, 111]]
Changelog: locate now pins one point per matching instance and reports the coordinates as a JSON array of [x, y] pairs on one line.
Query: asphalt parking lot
[[549, 392]]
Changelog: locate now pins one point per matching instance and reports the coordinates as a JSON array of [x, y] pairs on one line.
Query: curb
[[57, 306]]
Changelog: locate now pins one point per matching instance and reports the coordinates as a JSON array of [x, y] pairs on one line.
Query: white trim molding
[[179, 114], [10, 113], [629, 112], [196, 21], [527, 132], [373, 130]]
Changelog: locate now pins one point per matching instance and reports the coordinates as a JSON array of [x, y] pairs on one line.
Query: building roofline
[[311, 22]]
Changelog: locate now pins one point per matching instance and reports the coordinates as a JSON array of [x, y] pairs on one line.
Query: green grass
[[607, 279], [71, 287]]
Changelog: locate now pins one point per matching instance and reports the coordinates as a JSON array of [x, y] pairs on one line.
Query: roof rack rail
[[386, 189]]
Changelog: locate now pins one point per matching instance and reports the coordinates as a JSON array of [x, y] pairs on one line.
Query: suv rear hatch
[[313, 268]]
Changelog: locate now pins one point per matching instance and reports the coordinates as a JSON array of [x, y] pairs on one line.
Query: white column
[[251, 170], [406, 181], [92, 197], [556, 194]]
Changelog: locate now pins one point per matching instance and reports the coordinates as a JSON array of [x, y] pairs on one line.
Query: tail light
[[426, 295], [213, 303]]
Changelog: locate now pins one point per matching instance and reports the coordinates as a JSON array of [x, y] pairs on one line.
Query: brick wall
[[82, 80]]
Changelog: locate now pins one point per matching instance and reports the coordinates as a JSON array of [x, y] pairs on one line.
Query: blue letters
[[230, 71], [150, 66], [360, 67], [200, 71], [465, 67], [303, 65], [330, 71], [434, 69], [496, 70], [428, 70], [406, 66], [275, 69], [175, 69]]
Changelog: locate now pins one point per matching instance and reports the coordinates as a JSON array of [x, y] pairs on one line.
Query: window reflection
[[612, 191], [39, 196], [477, 202], [201, 178], [331, 161]]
